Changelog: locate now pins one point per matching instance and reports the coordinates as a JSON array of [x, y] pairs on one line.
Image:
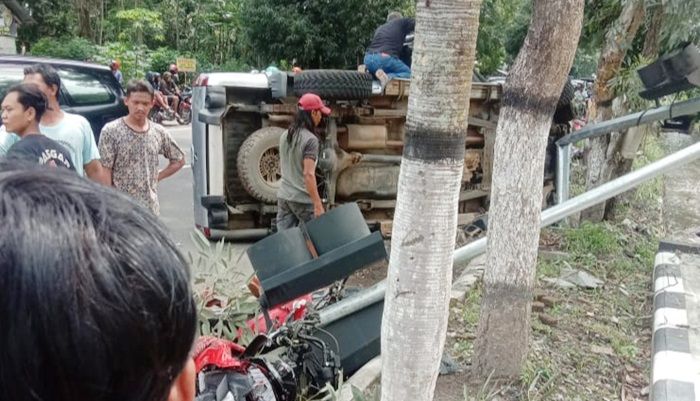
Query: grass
[[651, 151], [595, 239]]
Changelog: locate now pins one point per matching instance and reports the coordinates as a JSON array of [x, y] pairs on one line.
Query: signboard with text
[[186, 64]]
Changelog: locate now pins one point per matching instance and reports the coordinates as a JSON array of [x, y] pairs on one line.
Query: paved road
[[176, 200]]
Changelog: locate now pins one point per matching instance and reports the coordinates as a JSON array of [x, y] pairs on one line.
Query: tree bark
[[530, 96], [653, 35], [416, 308], [84, 21], [601, 151]]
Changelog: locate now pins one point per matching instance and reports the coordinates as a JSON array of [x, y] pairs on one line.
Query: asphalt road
[[176, 202]]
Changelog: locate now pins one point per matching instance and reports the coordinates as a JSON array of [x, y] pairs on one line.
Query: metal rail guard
[[549, 216], [563, 173]]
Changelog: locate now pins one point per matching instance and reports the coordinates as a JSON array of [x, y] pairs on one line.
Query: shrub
[[67, 48]]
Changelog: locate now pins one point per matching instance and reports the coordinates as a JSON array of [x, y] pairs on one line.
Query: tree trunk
[[601, 151], [530, 96], [653, 36], [420, 269], [84, 23]]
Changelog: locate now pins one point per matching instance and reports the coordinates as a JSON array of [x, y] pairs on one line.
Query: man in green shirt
[[297, 198]]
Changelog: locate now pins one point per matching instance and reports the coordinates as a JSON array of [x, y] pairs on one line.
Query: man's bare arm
[[96, 172], [173, 167], [311, 186]]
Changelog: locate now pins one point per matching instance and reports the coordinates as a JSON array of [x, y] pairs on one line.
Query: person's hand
[[318, 210], [355, 157]]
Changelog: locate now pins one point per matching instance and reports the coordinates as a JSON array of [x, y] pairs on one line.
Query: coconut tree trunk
[[419, 279], [601, 154], [530, 96]]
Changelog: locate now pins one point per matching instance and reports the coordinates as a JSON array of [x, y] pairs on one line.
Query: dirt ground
[[586, 344]]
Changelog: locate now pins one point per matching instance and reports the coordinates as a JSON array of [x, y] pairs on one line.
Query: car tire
[[235, 132], [259, 164], [334, 84], [565, 109]]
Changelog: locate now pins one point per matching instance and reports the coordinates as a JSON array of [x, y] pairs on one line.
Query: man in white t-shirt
[[70, 130]]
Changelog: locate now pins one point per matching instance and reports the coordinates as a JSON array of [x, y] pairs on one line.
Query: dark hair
[[95, 299], [29, 95], [138, 85], [301, 120], [48, 74]]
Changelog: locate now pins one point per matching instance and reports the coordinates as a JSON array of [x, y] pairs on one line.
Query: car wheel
[[259, 164]]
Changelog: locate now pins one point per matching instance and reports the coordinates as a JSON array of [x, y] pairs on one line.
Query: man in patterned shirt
[[130, 147]]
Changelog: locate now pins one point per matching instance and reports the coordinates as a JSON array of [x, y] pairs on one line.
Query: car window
[[85, 89], [9, 75]]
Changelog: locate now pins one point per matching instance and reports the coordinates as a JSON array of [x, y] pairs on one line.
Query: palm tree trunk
[[530, 97], [420, 269]]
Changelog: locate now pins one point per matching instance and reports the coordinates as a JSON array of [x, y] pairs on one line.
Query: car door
[[93, 95]]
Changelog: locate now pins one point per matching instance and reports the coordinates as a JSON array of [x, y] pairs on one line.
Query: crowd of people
[[36, 130]]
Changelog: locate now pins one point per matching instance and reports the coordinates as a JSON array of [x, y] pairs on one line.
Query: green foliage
[[628, 84], [503, 25], [596, 239], [138, 25], [69, 48], [55, 19], [681, 23], [223, 302], [161, 59], [317, 33], [134, 60]]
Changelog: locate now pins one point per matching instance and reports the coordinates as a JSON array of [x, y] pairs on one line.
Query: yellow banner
[[186, 64]]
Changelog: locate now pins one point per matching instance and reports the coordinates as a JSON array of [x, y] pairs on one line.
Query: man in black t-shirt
[[37, 148], [382, 55]]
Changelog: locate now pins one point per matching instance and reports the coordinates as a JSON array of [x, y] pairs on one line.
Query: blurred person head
[[95, 299], [22, 109], [46, 78], [167, 76], [114, 65]]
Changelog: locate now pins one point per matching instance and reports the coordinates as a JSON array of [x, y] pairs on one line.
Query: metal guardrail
[[549, 216], [563, 173]]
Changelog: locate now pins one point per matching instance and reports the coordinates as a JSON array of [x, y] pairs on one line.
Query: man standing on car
[[382, 55], [70, 130], [298, 200], [130, 147]]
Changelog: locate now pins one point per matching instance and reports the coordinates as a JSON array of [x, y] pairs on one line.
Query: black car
[[89, 90]]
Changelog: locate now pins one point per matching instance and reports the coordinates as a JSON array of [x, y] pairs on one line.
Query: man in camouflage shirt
[[130, 147]]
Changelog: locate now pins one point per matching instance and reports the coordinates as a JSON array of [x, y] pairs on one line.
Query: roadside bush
[[67, 48], [134, 60]]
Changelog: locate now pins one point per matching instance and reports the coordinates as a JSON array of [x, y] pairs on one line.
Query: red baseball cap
[[311, 102]]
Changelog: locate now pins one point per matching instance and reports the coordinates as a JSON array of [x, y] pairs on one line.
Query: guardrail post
[[563, 175]]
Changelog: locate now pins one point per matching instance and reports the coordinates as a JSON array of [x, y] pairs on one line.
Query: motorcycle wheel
[[185, 116]]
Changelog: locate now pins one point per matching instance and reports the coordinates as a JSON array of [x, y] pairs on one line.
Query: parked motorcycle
[[184, 110]]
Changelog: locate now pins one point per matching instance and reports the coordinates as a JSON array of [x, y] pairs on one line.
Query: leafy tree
[[139, 26], [53, 18], [502, 28], [162, 58], [317, 33]]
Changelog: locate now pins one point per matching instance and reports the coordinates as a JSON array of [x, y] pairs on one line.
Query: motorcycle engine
[[292, 363]]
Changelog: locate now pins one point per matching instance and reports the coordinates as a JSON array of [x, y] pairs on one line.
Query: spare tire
[[567, 95], [334, 84], [259, 164], [565, 109]]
